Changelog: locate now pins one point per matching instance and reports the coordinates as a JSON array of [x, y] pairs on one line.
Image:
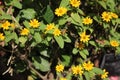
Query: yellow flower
[[59, 68], [75, 3], [2, 37], [88, 66], [79, 45], [6, 25], [84, 37], [77, 70], [30, 78], [106, 16], [60, 11], [12, 25], [34, 23], [114, 15], [104, 75], [114, 43], [57, 32], [50, 26], [24, 31], [63, 79], [87, 21]]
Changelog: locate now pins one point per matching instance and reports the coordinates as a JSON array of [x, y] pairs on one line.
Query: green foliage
[[41, 64], [48, 16], [33, 45], [60, 41], [28, 13]]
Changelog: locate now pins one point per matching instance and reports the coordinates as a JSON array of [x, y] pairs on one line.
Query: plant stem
[[115, 26], [34, 70]]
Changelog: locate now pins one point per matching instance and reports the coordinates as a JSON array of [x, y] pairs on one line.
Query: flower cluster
[[107, 16], [80, 69], [6, 25], [71, 32], [53, 28], [77, 70]]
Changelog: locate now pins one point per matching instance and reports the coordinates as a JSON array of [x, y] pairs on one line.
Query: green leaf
[[22, 40], [66, 38], [60, 41], [33, 44], [49, 15], [69, 76], [28, 13], [42, 65], [62, 21], [92, 43], [80, 12], [42, 26], [37, 37], [75, 51], [26, 24], [32, 31], [83, 55], [113, 22], [118, 20], [64, 3], [9, 36], [87, 76], [103, 4], [85, 51], [66, 60], [7, 32], [72, 21], [111, 5], [5, 16], [49, 37], [76, 18], [81, 78], [44, 53], [97, 18], [15, 37], [91, 74], [97, 70], [17, 4], [105, 25], [106, 79], [20, 66], [117, 50]]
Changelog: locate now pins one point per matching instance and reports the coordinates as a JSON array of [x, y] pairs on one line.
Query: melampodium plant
[[58, 40]]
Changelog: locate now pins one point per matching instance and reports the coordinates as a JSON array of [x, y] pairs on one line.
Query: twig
[[15, 21], [116, 26], [34, 70], [9, 70]]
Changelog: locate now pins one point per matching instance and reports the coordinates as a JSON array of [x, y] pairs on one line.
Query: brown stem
[[15, 21], [34, 70]]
